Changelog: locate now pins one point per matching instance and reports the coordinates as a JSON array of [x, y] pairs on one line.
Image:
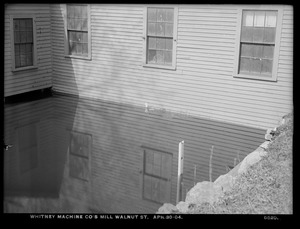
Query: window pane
[[160, 43], [152, 56], [17, 61], [22, 60], [259, 19], [72, 48], [29, 61], [29, 37], [149, 157], [161, 14], [167, 164], [23, 37], [16, 25], [149, 168], [248, 18], [70, 11], [258, 51], [17, 49], [247, 34], [85, 24], [156, 170], [17, 37], [258, 34], [245, 64], [84, 13], [155, 189], [23, 25], [256, 66], [152, 14], [271, 18], [84, 36], [77, 24], [169, 44], [28, 48], [152, 43], [169, 15], [29, 24], [147, 190], [246, 50], [269, 35], [160, 29], [268, 51], [152, 29], [77, 12], [266, 66], [169, 29], [168, 57], [72, 36], [78, 48], [85, 49], [22, 48], [70, 23], [157, 159], [160, 57]]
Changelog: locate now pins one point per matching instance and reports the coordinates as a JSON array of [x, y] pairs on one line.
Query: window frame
[[145, 37], [67, 55], [12, 35], [144, 173], [276, 47]]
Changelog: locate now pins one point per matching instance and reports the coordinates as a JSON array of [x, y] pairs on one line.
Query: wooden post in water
[[180, 171]]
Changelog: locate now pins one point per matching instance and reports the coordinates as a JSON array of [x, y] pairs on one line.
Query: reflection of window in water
[[79, 156], [157, 176], [28, 147]]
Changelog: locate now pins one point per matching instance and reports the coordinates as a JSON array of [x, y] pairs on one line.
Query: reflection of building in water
[[85, 155]]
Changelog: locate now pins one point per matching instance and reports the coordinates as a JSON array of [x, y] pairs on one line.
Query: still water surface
[[81, 156]]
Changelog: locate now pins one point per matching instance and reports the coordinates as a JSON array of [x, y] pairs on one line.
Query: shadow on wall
[[34, 166]]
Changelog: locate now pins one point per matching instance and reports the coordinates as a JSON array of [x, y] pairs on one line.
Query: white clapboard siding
[[33, 79], [202, 84]]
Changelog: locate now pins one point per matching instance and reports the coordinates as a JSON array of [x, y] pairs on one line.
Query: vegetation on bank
[[266, 188]]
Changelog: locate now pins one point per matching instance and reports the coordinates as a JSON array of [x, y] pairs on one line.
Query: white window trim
[[276, 49], [145, 64], [12, 36], [89, 56]]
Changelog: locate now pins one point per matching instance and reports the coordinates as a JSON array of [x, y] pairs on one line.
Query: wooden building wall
[[202, 84], [32, 79]]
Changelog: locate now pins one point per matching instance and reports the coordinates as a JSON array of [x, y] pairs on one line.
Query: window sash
[[77, 27], [258, 33], [159, 36], [23, 42]]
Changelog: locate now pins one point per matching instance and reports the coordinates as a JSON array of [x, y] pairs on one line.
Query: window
[[157, 176], [23, 42], [78, 31], [79, 155], [259, 44], [160, 37]]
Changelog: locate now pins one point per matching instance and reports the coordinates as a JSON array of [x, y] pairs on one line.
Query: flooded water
[[81, 156]]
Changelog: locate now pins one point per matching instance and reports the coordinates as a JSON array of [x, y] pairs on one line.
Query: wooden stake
[[180, 171], [195, 174], [210, 163]]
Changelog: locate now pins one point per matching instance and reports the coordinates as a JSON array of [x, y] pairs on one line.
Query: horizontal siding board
[[205, 57], [202, 81], [24, 81]]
